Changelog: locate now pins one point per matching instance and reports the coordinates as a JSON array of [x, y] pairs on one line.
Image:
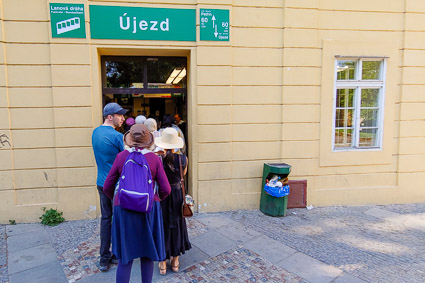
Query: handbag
[[186, 208]]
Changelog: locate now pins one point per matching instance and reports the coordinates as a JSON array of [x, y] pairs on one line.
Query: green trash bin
[[270, 205]]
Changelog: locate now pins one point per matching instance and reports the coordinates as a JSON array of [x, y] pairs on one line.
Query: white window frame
[[358, 84]]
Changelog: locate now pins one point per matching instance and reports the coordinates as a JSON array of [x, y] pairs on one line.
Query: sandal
[[174, 266], [162, 267]]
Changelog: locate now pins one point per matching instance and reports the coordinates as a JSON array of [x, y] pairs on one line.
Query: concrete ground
[[333, 244]]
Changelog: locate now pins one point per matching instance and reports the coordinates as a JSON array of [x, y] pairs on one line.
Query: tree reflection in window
[[123, 74], [128, 72]]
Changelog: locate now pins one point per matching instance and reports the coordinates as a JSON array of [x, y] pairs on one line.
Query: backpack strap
[[155, 184], [132, 149]]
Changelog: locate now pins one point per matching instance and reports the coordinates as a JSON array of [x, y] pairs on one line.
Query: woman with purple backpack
[[136, 234]]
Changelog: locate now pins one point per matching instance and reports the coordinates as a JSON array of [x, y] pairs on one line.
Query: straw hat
[[138, 136], [169, 139]]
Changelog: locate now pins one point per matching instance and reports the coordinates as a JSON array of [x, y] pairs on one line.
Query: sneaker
[[103, 266], [114, 259]]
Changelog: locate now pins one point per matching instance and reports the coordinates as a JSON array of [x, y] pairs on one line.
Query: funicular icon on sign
[[68, 25]]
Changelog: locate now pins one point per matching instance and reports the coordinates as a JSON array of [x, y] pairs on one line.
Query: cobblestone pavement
[[235, 265], [370, 243], [374, 249], [77, 247], [3, 255], [368, 247]]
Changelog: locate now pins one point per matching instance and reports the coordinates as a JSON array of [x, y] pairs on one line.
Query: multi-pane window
[[359, 98]]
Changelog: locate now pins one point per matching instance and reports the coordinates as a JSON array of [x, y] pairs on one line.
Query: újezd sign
[[136, 23]]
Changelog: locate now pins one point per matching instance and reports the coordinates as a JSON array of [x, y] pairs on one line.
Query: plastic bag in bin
[[277, 191]]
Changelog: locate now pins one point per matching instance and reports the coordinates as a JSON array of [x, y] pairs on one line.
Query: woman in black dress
[[175, 231]]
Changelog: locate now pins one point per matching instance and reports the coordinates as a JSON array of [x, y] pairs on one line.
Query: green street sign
[[139, 23], [67, 20], [214, 24]]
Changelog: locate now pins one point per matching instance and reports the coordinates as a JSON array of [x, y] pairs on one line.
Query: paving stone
[[414, 208], [30, 258], [416, 222], [12, 230], [69, 234], [238, 232], [109, 276], [362, 243], [212, 243], [410, 221], [387, 215], [215, 221], [235, 265], [51, 272], [370, 248], [269, 249], [190, 258], [195, 228], [27, 240], [347, 278], [82, 260], [310, 268]]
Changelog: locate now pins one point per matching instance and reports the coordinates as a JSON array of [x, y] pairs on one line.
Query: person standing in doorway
[[176, 238], [180, 123], [107, 143], [169, 122]]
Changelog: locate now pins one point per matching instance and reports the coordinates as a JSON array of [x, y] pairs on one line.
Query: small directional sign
[[67, 20], [214, 24]]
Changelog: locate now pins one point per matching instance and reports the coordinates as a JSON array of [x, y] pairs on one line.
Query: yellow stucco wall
[[266, 95]]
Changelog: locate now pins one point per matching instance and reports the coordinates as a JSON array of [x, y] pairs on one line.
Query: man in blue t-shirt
[[107, 143]]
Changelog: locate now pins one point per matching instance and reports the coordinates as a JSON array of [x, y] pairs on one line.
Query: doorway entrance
[[152, 86]]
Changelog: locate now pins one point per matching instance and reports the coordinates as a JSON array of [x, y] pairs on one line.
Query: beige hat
[[169, 139], [138, 136], [150, 123]]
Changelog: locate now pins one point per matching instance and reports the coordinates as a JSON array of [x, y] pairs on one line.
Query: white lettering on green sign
[[214, 24], [143, 24], [67, 20], [139, 23]]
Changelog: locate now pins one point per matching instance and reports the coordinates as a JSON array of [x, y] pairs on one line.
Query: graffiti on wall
[[4, 141]]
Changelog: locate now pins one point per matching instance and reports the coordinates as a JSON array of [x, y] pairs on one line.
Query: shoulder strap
[[182, 179], [133, 149], [155, 185]]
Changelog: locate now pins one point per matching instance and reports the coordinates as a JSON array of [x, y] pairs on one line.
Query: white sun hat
[[169, 139], [140, 119]]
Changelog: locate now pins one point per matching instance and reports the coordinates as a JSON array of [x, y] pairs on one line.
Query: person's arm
[[120, 142], [164, 188], [112, 178], [185, 165]]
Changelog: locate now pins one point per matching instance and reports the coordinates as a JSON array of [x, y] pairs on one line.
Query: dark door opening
[[150, 86]]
